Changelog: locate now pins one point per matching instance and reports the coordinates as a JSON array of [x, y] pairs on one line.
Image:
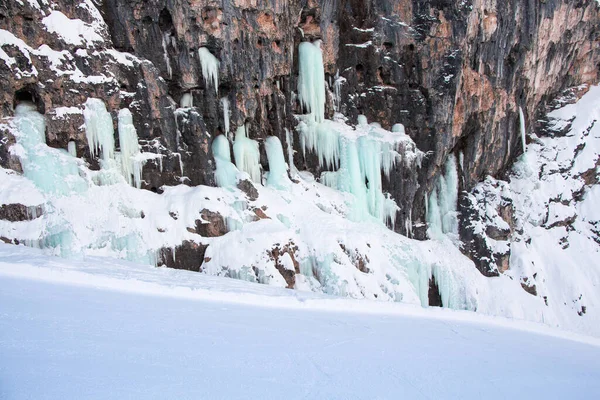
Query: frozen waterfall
[[441, 215], [247, 155]]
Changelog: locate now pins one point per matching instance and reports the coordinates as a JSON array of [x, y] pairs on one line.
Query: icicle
[[187, 101], [225, 104], [131, 164], [99, 129], [523, 131], [277, 177], [72, 148], [165, 41], [337, 92], [247, 156], [210, 67], [362, 120], [311, 79], [226, 172], [289, 138]]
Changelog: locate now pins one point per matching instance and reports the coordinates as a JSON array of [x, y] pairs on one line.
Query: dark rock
[[434, 296], [211, 225], [289, 275], [19, 212], [247, 187], [189, 256]]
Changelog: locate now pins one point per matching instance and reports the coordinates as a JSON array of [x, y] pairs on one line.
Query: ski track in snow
[[101, 328]]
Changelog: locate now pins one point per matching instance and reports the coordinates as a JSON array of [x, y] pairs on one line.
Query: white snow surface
[[73, 31], [101, 328]]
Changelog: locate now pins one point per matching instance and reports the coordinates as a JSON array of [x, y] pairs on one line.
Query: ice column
[[72, 148], [210, 67], [225, 104], [131, 165], [441, 211], [246, 153], [277, 177], [522, 126], [311, 80], [99, 129], [226, 172]]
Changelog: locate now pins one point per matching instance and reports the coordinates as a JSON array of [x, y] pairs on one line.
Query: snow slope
[[111, 329]]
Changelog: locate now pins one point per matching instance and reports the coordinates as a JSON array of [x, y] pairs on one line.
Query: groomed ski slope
[[106, 329]]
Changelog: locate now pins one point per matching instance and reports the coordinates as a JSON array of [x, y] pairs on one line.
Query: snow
[[121, 330], [73, 31]]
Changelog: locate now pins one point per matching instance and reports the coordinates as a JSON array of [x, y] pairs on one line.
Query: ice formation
[[51, 170], [99, 129], [247, 155], [311, 79], [277, 177], [166, 38], [187, 101], [72, 148], [225, 105], [131, 163], [210, 67], [226, 172], [441, 212], [354, 159], [522, 128]]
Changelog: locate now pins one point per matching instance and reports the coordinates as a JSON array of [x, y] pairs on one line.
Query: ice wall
[[210, 68]]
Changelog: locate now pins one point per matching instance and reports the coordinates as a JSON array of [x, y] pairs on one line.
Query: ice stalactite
[[210, 68], [51, 170], [337, 91], [277, 177], [289, 138], [442, 216], [99, 129], [247, 155], [166, 38], [131, 163], [225, 104], [225, 173], [522, 128], [311, 79]]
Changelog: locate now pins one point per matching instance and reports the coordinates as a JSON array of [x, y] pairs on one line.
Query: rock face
[[454, 73]]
